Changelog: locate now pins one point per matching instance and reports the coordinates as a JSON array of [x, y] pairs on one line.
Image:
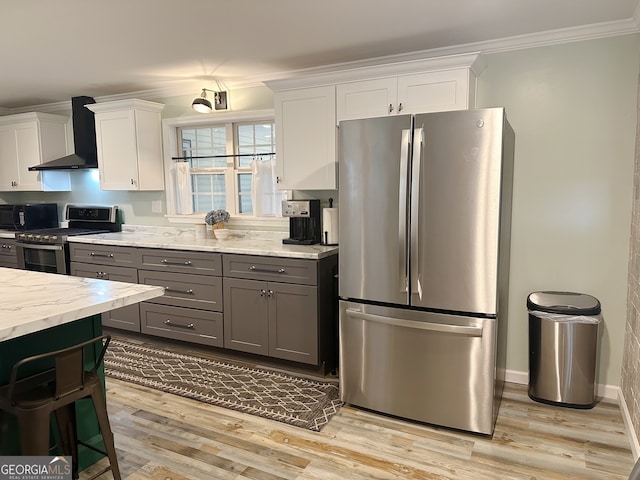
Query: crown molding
[[518, 42], [409, 61]]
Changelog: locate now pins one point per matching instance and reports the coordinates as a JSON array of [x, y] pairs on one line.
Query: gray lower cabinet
[[109, 263], [8, 257], [280, 307], [191, 307], [284, 308], [274, 319]]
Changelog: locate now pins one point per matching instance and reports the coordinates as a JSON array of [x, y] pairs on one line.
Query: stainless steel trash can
[[563, 341]]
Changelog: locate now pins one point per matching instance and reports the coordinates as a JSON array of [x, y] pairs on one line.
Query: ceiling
[[53, 50]]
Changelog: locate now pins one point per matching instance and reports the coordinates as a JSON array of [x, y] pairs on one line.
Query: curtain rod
[[224, 156]]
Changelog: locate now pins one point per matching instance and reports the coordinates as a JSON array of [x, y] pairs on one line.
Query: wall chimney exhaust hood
[[84, 140]]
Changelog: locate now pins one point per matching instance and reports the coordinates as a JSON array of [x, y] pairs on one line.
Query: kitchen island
[[42, 312]]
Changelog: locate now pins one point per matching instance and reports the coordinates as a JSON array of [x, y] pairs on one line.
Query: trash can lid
[[568, 303]]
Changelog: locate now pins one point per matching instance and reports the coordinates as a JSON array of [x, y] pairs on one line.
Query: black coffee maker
[[304, 221]]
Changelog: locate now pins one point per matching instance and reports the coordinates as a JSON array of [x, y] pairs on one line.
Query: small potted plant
[[216, 218]]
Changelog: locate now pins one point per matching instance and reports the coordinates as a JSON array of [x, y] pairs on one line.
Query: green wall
[[573, 109]]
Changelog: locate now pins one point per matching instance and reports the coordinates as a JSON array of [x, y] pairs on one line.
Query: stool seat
[[33, 398]]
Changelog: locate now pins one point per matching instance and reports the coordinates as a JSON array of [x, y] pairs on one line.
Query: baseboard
[[610, 392], [513, 376], [631, 433]]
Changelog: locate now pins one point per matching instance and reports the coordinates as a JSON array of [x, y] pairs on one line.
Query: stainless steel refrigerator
[[425, 220]]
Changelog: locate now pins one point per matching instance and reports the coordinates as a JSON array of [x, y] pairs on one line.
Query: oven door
[[42, 258]]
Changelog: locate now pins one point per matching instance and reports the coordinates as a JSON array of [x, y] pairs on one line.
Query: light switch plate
[[156, 206]]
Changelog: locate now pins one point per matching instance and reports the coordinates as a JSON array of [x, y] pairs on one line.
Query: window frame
[[170, 148]]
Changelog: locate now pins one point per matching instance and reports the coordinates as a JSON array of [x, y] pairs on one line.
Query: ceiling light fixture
[[203, 105]]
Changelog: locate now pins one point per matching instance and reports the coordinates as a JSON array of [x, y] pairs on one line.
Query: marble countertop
[[242, 242], [34, 301]]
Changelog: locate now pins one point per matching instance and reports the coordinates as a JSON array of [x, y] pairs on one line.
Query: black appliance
[[28, 216], [304, 221], [47, 250], [84, 140]]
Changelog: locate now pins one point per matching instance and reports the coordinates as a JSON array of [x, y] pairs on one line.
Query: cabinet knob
[[263, 292], [270, 293], [132, 182], [390, 108], [400, 107]]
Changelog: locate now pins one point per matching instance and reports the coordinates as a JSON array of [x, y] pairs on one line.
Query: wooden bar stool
[[32, 399]]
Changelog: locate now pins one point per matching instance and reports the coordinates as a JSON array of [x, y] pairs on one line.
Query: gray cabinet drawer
[[179, 261], [183, 290], [125, 318], [103, 254], [8, 257], [198, 326], [104, 272], [285, 270], [7, 248]]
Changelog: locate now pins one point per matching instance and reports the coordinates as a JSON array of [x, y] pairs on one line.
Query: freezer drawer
[[428, 367]]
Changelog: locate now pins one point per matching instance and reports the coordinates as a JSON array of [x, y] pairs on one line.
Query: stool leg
[[67, 425], [100, 406], [34, 431]]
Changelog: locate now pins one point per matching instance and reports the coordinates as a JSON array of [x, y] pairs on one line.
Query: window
[[223, 164]]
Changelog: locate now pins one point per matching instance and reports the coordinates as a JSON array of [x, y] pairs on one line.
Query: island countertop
[[246, 243], [34, 301]]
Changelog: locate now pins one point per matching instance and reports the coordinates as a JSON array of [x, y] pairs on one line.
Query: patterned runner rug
[[293, 400]]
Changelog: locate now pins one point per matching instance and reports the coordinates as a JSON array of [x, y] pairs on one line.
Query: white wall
[[573, 109]]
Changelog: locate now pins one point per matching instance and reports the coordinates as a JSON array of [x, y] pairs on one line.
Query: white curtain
[[182, 182], [265, 196]]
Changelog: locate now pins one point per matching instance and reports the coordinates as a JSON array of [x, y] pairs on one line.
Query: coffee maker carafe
[[304, 221]]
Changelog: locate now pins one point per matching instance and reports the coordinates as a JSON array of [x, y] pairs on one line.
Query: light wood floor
[[160, 436]]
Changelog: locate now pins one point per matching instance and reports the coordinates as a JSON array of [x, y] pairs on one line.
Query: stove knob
[[45, 238], [29, 236], [54, 238]]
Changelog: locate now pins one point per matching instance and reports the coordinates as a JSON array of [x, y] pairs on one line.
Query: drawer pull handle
[[104, 255], [169, 323], [253, 268], [167, 262], [175, 290]]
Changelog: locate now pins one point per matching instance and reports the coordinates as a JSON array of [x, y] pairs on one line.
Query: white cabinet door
[[436, 91], [28, 150], [116, 140], [371, 98], [129, 141], [306, 138], [8, 159]]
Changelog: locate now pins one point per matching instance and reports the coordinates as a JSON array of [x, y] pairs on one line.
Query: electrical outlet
[[156, 206]]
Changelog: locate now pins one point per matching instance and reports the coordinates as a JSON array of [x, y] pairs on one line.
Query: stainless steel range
[[47, 250]]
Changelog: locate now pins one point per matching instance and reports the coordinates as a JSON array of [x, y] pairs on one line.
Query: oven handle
[[35, 246]]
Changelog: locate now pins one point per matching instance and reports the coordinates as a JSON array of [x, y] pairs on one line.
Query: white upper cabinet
[[27, 140], [129, 140], [306, 138], [308, 108], [416, 93]]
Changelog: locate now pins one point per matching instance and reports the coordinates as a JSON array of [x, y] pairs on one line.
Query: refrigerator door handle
[[470, 331], [418, 141], [402, 209]]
